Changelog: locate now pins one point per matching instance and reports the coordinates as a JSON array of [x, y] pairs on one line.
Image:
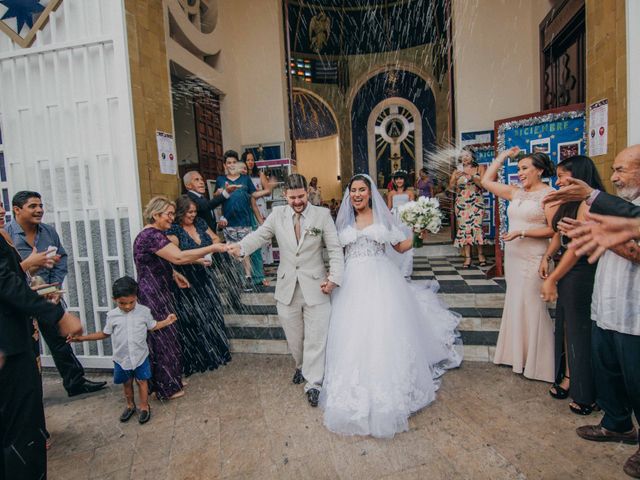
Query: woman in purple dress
[[155, 256]]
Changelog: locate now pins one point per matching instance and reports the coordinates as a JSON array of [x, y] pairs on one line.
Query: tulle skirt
[[389, 342]]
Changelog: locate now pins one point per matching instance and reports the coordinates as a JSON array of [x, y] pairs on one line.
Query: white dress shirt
[[128, 333], [616, 293]]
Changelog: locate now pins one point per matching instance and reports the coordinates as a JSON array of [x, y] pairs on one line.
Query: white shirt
[[616, 294], [128, 333]]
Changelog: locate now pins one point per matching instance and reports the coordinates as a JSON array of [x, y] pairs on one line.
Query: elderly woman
[[203, 336], [466, 183], [155, 255]]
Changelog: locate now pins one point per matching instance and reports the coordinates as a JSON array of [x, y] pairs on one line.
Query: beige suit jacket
[[301, 262]]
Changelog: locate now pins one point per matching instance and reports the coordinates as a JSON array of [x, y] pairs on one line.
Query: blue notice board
[[485, 153]]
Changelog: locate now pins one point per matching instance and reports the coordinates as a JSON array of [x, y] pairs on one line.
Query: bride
[[389, 340]]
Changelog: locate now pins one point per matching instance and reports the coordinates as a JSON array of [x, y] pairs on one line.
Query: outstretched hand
[[576, 191], [234, 250]]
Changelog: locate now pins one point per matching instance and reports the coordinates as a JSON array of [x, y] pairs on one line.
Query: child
[[128, 325]]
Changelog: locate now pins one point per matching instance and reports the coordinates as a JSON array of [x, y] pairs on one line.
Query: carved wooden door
[[562, 59], [206, 108]]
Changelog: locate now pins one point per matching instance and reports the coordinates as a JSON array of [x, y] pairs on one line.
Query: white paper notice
[[598, 126], [166, 153]]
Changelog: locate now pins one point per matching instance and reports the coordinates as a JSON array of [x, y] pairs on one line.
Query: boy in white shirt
[[127, 325]]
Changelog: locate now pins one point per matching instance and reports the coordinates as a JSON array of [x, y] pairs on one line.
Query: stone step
[[472, 353]]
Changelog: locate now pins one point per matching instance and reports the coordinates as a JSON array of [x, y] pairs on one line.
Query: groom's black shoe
[[297, 377], [312, 396]]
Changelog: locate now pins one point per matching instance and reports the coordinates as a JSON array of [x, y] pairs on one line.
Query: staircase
[[254, 328]]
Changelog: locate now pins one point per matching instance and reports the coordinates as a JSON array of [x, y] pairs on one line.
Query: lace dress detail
[[364, 247]]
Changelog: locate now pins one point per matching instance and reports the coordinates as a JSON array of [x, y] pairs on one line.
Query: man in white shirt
[[615, 311]]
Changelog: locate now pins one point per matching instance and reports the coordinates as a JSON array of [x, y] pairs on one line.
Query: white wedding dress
[[389, 340]]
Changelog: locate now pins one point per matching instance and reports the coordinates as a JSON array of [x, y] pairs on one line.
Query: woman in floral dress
[[469, 207]]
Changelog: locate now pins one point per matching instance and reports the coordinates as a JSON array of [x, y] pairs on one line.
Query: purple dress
[[155, 290]]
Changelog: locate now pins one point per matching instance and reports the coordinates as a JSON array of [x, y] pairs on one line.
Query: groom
[[303, 287]]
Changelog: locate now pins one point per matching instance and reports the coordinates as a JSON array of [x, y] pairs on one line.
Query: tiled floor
[[248, 421]]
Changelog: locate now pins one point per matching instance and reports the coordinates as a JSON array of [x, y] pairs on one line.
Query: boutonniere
[[314, 232]]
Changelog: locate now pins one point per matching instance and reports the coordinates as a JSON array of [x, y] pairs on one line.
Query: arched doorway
[[317, 142], [393, 122]]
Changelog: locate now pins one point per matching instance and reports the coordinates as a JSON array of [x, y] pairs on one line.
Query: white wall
[[255, 105], [65, 107], [496, 60]]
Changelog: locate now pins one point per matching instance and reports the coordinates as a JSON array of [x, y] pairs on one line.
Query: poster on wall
[[166, 153], [476, 137], [560, 133], [598, 127]]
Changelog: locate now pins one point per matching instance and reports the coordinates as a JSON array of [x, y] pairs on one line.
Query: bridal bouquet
[[422, 214]]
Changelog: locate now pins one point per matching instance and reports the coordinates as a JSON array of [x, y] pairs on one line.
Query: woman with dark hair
[[526, 338], [396, 198], [384, 361], [424, 184], [465, 182], [571, 283], [203, 335], [263, 188]]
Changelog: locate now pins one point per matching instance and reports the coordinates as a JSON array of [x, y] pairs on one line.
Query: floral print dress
[[469, 212]]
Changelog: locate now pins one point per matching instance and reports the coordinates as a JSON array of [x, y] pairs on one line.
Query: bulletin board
[[559, 132]]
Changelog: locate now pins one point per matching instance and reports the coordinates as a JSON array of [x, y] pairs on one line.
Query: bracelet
[[522, 235]]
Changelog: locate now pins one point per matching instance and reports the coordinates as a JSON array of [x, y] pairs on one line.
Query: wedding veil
[[381, 214]]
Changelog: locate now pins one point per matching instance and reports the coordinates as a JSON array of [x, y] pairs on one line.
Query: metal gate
[[66, 113]]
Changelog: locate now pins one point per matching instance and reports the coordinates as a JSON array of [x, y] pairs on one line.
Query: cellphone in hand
[[51, 251]]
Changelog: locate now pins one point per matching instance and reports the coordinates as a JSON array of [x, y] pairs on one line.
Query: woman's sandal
[[559, 393], [466, 265], [583, 409], [483, 263]]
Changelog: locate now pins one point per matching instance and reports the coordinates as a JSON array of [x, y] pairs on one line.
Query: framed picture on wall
[[514, 179], [568, 149], [542, 145]]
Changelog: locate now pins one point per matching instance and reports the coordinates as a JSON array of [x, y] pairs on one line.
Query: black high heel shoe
[[583, 409], [560, 393]]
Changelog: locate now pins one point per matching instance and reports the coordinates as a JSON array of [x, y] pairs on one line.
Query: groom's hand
[[235, 250], [327, 287]]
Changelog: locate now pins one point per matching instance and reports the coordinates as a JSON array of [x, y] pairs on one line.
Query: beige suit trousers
[[306, 328]]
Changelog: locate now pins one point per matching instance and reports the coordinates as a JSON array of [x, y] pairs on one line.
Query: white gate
[[65, 108]]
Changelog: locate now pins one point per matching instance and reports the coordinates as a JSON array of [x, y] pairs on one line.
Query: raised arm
[[255, 240], [490, 178]]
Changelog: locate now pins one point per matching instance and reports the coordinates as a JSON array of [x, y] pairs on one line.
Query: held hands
[[69, 325], [576, 191], [234, 250], [549, 292], [327, 287]]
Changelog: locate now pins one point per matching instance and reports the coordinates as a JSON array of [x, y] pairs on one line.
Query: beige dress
[[526, 332]]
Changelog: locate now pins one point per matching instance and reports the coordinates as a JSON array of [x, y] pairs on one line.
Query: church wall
[[252, 59], [607, 73], [496, 60], [151, 95], [321, 159]]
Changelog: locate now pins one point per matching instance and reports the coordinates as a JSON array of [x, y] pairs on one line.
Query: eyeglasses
[[169, 214]]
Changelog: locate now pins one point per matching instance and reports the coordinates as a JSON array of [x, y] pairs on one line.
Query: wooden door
[[562, 55]]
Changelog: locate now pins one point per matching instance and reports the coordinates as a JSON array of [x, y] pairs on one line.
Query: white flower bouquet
[[420, 215]]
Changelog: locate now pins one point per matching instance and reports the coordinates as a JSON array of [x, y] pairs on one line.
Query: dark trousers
[[22, 427], [66, 362], [616, 367]]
